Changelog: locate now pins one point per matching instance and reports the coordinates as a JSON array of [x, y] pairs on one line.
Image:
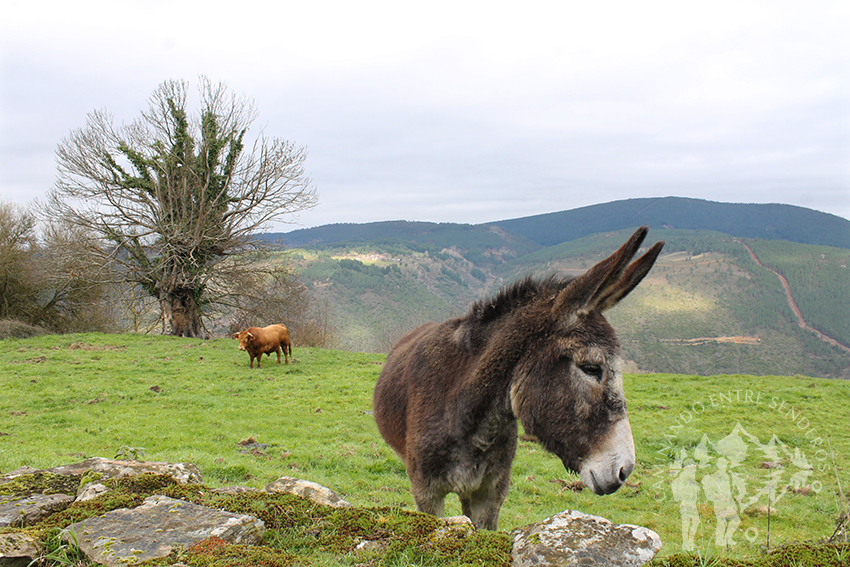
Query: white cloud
[[463, 111]]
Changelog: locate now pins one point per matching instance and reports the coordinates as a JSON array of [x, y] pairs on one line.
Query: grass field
[[69, 397]]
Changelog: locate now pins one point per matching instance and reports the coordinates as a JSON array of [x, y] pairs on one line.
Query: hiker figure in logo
[[686, 491], [718, 489]]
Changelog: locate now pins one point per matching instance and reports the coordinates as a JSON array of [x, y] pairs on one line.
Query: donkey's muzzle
[[609, 484], [606, 469]]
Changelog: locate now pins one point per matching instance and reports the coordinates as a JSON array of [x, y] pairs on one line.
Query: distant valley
[[708, 307]]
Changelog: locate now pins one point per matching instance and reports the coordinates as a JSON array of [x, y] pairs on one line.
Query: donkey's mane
[[519, 294]]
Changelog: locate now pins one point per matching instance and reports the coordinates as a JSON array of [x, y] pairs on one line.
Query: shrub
[[11, 329]]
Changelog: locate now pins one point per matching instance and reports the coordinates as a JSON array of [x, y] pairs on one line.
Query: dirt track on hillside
[[793, 304], [740, 340]]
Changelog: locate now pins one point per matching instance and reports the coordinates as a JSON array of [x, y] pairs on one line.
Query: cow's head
[[244, 337]]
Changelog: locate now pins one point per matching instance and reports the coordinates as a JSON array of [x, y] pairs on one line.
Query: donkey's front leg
[[429, 495], [427, 500], [482, 505], [482, 508]]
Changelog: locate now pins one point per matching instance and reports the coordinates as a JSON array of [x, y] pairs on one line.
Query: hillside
[[703, 290], [476, 241], [707, 307]]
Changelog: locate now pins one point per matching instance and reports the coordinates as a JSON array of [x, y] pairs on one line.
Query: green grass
[[69, 397]]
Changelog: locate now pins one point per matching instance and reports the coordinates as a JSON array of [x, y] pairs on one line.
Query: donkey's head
[[568, 388]]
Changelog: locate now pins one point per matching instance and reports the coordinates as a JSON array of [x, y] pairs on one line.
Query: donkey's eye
[[592, 370]]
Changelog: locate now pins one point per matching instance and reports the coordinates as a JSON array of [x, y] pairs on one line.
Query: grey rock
[[234, 490], [572, 538], [183, 473], [454, 528], [306, 489], [90, 490], [18, 549], [28, 510], [127, 536], [457, 520], [18, 472]]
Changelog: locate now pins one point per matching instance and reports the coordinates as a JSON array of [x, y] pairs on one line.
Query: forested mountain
[[767, 222], [707, 307]]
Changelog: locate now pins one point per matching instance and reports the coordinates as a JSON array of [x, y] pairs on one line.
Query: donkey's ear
[[609, 281], [610, 295]]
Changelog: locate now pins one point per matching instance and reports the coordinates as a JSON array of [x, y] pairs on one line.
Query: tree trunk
[[183, 313]]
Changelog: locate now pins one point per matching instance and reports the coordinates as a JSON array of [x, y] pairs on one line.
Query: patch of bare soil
[[91, 347]]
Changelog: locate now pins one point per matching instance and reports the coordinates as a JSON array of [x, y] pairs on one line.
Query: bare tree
[[73, 298], [41, 280], [179, 202], [19, 283]]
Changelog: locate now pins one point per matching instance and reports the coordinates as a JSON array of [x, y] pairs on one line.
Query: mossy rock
[[300, 531], [41, 483]]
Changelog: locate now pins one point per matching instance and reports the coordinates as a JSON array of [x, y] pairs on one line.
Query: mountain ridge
[[774, 221]]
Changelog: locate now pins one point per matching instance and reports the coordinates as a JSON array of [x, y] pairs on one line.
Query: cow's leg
[[286, 354], [278, 354]]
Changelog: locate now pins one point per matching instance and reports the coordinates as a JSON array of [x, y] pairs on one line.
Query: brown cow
[[256, 341]]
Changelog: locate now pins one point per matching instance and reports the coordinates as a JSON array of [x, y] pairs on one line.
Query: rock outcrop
[[26, 510], [162, 524], [183, 473], [308, 490], [127, 536], [575, 539]]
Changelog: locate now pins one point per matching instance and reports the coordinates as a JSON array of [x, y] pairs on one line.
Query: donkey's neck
[[494, 424], [485, 398]]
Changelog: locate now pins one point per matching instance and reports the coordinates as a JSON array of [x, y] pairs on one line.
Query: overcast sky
[[464, 111]]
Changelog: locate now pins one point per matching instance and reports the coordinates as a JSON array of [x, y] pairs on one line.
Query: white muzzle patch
[[606, 469]]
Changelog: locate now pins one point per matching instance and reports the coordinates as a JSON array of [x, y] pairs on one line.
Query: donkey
[[450, 394]]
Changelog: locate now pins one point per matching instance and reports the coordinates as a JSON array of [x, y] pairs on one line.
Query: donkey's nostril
[[626, 471]]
